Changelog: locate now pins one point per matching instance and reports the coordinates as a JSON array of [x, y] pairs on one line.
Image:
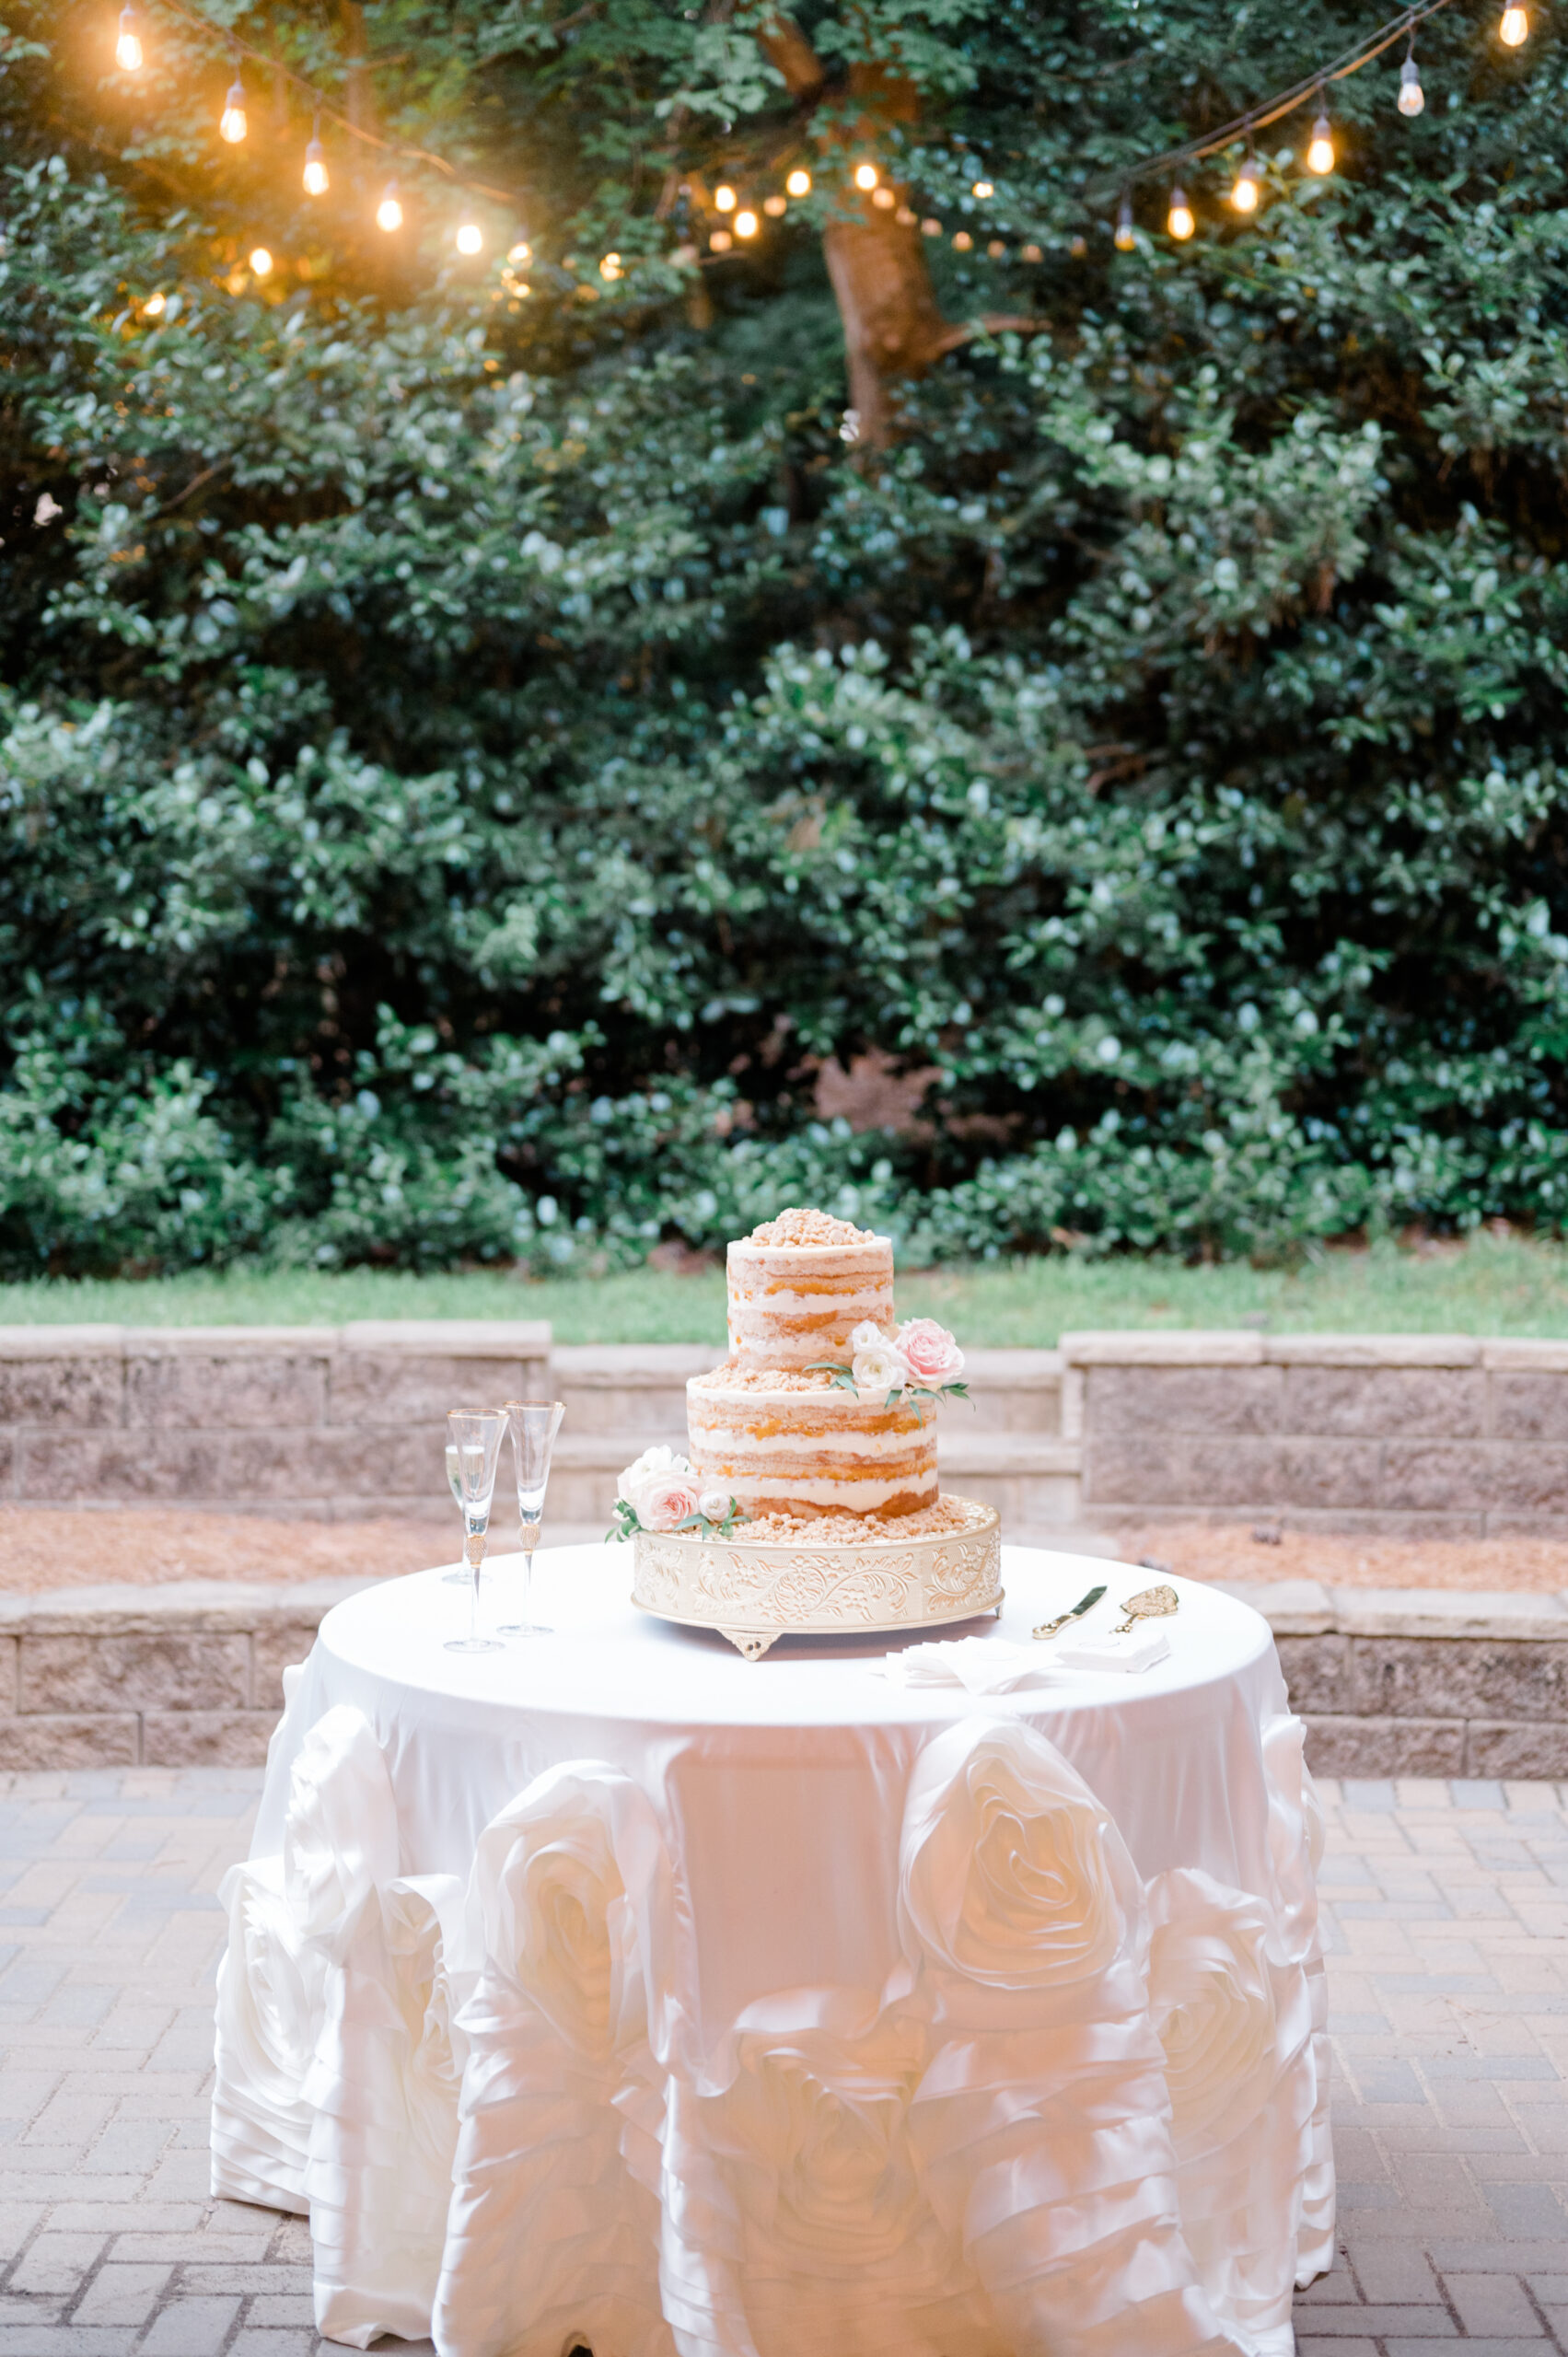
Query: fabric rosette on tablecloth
[[563, 2100], [340, 1842], [1041, 2129]]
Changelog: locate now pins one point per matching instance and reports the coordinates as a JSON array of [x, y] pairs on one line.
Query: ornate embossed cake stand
[[753, 1593]]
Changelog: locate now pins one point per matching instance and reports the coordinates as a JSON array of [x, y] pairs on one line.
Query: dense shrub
[[463, 764]]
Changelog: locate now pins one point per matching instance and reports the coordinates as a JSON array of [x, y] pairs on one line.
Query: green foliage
[[466, 761]]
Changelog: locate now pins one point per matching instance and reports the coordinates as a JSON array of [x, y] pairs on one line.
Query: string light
[[469, 239], [962, 242], [154, 305], [1412, 98], [520, 253], [884, 199], [1514, 27], [931, 228], [746, 225], [774, 208], [232, 124], [867, 176], [128, 46], [1245, 190], [720, 242], [799, 181], [724, 198], [260, 262], [1126, 237], [983, 189], [389, 212], [1321, 152], [316, 181], [611, 268], [1179, 220]]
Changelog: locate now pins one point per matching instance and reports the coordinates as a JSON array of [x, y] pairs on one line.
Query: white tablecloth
[[613, 1988]]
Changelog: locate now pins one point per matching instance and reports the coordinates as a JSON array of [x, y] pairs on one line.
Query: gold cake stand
[[754, 1593]]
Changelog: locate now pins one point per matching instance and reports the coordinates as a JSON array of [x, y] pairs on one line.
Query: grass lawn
[[1490, 1286]]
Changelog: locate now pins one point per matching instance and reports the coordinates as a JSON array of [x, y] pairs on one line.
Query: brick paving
[[1448, 1923]]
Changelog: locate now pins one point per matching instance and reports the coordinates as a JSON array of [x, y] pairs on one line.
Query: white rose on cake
[[877, 1366], [652, 1463], [714, 1505]]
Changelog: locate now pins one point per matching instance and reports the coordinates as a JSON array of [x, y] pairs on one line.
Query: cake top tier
[[800, 1284]]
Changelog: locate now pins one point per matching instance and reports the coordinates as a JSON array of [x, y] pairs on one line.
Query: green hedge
[[461, 770]]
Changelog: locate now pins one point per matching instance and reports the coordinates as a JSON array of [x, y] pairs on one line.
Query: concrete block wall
[[1435, 1435], [335, 1423]]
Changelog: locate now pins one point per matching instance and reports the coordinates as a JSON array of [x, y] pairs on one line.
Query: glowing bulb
[[1125, 239], [746, 225], [1245, 191], [154, 305], [260, 262], [389, 212], [316, 181], [1514, 28], [799, 181], [720, 242], [866, 176], [232, 124], [774, 208], [611, 268], [470, 238], [521, 252], [963, 242], [931, 228], [1320, 153], [724, 197], [128, 48], [1179, 220], [1412, 98], [983, 189]]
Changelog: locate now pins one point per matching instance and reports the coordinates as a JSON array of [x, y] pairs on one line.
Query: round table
[[613, 1986]]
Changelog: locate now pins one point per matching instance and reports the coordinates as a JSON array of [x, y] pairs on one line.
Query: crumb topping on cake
[[949, 1515], [796, 1227], [733, 1377]]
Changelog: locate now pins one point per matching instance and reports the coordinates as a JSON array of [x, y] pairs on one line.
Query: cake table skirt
[[613, 1990]]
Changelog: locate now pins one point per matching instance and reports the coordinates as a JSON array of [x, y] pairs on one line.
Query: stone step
[[641, 1387]]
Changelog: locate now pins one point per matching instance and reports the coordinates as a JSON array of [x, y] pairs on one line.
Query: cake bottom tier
[[754, 1593]]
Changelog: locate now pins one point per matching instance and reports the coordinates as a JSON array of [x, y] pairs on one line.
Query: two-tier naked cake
[[810, 1498]]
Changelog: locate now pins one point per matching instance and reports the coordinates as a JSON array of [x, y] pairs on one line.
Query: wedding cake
[[808, 1499]]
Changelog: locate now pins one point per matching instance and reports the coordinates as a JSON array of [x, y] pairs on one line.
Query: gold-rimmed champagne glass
[[459, 1574], [476, 1435], [535, 1423]]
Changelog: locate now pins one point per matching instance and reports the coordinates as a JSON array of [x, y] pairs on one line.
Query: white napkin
[[1139, 1649], [983, 1664]]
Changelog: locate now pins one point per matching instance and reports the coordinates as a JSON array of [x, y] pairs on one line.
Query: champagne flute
[[535, 1423], [459, 1574], [477, 1434]]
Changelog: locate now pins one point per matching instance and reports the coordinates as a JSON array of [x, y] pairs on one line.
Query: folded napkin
[[983, 1664], [1139, 1649]]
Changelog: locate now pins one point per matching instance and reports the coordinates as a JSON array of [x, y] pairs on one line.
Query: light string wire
[[1258, 118]]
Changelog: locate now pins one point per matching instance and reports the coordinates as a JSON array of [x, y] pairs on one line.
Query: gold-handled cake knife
[[1085, 1604]]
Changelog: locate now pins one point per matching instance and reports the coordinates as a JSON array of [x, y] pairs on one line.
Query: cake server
[[1085, 1604]]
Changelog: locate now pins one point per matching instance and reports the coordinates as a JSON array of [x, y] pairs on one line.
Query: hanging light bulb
[[1246, 188], [520, 253], [724, 197], [774, 208], [720, 242], [315, 182], [867, 176], [746, 225], [1179, 220], [389, 212], [154, 305], [983, 189], [232, 124], [611, 268], [260, 262], [1125, 238], [1412, 98], [1321, 150], [470, 238], [799, 181], [1515, 26], [128, 47]]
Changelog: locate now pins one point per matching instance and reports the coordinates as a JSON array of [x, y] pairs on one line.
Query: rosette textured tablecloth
[[614, 1990]]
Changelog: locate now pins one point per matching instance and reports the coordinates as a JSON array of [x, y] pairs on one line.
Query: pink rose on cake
[[668, 1500], [932, 1357], [649, 1466], [661, 1491]]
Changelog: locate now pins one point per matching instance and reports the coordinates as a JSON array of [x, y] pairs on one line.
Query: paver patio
[[1447, 1915]]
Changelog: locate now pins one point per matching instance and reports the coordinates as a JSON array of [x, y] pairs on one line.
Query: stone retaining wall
[[335, 1422], [1414, 1436], [1391, 1683]]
